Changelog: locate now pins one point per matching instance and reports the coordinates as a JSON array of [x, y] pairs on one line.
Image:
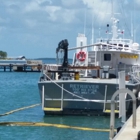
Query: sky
[[34, 28]]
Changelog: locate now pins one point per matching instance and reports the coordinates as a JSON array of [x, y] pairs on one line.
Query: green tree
[[3, 54]]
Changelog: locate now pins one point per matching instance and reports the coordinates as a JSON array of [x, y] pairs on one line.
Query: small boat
[[87, 85]]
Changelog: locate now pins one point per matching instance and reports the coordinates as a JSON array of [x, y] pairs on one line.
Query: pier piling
[[4, 68], [21, 66]]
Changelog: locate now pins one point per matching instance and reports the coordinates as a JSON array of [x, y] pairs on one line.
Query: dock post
[[4, 68], [24, 68], [39, 67], [62, 98], [122, 101], [10, 67]]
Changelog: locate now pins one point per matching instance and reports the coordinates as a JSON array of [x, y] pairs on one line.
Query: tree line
[[3, 54]]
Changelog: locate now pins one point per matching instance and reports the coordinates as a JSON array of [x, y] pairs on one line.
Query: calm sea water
[[19, 89]]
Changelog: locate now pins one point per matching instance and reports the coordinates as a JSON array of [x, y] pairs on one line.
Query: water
[[19, 89], [53, 60]]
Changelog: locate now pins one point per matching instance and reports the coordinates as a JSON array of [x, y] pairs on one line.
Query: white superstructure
[[113, 53]]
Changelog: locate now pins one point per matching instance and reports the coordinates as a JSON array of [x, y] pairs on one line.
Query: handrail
[[62, 98], [112, 120], [42, 97], [105, 97], [99, 44], [84, 99]]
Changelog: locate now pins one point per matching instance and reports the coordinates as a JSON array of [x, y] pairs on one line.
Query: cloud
[[138, 2], [101, 10], [44, 1], [52, 11], [30, 23], [69, 3], [40, 24], [3, 20], [32, 6], [126, 2]]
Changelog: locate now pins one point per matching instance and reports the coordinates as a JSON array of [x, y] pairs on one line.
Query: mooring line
[[19, 109], [52, 125]]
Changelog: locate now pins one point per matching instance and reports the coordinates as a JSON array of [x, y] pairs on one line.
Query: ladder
[[107, 105], [52, 109]]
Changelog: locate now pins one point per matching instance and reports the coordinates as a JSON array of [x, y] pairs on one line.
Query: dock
[[127, 132], [21, 65]]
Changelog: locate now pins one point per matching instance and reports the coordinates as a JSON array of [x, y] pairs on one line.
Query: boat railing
[[116, 47], [75, 96], [135, 74], [117, 44], [126, 41], [124, 67], [50, 67]]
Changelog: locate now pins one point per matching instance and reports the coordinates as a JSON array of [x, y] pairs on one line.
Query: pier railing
[[112, 120]]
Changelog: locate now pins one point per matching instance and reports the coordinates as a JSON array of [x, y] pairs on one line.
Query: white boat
[[87, 85]]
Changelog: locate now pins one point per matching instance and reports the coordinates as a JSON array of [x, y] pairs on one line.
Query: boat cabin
[[110, 55]]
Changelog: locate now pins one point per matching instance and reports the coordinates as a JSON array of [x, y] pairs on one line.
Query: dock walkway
[[128, 132], [21, 65]]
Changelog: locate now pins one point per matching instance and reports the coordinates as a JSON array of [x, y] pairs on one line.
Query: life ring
[[81, 56]]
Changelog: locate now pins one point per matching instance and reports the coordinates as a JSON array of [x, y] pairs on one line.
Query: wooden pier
[[127, 132], [27, 66]]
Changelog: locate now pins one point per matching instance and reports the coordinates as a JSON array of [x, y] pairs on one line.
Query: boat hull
[[79, 97]]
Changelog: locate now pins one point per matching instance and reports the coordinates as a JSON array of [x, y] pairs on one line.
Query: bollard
[[138, 138]]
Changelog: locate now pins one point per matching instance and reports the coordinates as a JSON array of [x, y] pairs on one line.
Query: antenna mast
[[92, 37], [112, 9], [114, 24], [132, 29], [85, 21], [92, 34]]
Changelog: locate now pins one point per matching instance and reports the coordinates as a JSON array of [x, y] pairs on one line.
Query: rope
[[84, 99], [52, 125], [65, 89], [19, 109]]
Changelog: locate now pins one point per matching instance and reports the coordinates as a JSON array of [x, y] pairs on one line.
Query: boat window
[[107, 57], [126, 46], [104, 46], [120, 45]]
